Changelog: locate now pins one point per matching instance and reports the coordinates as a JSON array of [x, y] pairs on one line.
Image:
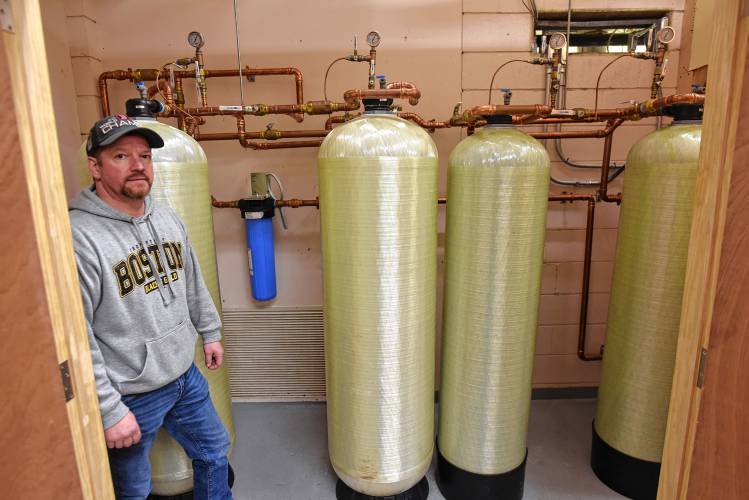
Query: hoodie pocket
[[167, 357]]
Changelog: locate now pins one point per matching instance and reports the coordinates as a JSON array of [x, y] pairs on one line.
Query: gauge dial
[[557, 41], [195, 39], [666, 35], [373, 39]]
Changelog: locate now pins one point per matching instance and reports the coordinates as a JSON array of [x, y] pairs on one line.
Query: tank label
[[249, 258]]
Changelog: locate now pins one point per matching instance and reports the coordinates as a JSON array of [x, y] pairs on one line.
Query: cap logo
[[115, 121]]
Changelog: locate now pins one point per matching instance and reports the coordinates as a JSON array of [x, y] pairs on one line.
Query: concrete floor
[[281, 453]]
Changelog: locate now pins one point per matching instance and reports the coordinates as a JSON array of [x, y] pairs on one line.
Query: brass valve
[[270, 133]]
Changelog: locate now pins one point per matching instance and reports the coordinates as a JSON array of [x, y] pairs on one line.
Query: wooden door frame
[[34, 114], [724, 89]]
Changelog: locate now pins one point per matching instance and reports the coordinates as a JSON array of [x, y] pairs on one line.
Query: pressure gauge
[[666, 35], [195, 39], [373, 39], [557, 40]]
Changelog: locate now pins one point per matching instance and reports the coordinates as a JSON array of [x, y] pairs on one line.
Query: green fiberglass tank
[[645, 306], [498, 188], [378, 207]]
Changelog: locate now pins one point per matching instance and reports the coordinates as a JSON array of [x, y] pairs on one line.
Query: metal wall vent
[[275, 354]]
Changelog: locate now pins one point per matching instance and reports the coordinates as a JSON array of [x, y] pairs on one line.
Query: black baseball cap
[[107, 130]]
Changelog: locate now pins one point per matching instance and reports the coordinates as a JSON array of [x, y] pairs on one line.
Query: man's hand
[[214, 355], [124, 433]]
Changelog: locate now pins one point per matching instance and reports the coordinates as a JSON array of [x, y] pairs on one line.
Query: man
[[145, 302]]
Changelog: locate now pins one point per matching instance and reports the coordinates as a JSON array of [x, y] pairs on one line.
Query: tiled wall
[[450, 49]]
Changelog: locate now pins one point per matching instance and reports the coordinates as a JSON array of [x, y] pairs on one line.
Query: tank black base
[[458, 484], [629, 476], [418, 492], [188, 495]]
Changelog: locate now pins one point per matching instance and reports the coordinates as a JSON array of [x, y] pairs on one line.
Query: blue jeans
[[185, 410]]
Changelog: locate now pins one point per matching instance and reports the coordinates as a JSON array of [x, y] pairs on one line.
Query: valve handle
[[269, 176]]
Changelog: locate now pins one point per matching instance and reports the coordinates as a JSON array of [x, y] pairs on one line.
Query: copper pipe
[[582, 134], [585, 292], [611, 125], [635, 111], [296, 203], [246, 143], [103, 92], [163, 87], [549, 120], [271, 135], [513, 109], [605, 163], [430, 125], [224, 204], [427, 124], [310, 108], [524, 119], [646, 108], [653, 105], [151, 74], [339, 119], [412, 94], [223, 136], [298, 81], [280, 145]]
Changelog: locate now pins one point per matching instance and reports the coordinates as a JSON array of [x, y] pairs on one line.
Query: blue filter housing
[[261, 258], [258, 216]]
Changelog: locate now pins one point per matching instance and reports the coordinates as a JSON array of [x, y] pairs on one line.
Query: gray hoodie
[[142, 329]]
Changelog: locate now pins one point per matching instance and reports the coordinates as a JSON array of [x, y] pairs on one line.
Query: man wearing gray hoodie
[[145, 303]]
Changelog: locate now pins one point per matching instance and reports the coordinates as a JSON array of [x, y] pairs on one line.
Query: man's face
[[124, 169]]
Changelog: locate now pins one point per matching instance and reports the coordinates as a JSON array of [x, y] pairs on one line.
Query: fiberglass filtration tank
[[498, 188], [181, 181], [645, 306], [378, 205]]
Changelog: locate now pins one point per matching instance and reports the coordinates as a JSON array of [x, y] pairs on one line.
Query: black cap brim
[[153, 139]]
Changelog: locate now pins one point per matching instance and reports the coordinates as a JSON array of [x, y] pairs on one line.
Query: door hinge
[[6, 16], [701, 368], [67, 383]]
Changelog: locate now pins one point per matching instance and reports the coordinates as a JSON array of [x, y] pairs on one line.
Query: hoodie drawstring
[[154, 269]]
